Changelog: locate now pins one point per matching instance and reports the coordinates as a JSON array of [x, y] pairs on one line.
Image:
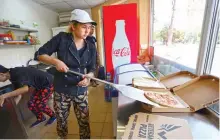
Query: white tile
[[51, 1], [60, 6], [94, 2], [81, 4], [39, 1], [64, 10], [49, 7], [19, 55]]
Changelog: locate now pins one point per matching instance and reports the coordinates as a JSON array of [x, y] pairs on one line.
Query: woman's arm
[[44, 53], [16, 92], [60, 66], [48, 59]]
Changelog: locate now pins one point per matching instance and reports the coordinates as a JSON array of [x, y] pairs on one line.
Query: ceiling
[[68, 5]]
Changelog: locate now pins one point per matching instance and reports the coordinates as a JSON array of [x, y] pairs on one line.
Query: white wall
[[29, 12]]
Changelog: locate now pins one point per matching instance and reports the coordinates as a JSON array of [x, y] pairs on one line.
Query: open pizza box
[[166, 82], [191, 96]]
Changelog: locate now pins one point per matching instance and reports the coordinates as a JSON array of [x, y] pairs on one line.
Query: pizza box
[[193, 95], [166, 82], [149, 126]]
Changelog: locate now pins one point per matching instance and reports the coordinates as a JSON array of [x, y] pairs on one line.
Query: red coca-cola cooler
[[121, 40]]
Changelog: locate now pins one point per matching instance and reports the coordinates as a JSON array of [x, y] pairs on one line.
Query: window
[[215, 70], [177, 26], [178, 39]]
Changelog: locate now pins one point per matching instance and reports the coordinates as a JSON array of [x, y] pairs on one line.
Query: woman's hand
[[85, 82], [60, 66], [2, 100]]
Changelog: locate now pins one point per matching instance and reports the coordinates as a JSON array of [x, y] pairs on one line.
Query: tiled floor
[[100, 120]]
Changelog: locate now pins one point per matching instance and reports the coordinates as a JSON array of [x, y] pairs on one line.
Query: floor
[[100, 120]]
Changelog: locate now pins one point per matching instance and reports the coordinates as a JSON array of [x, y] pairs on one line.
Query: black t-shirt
[[30, 76], [81, 51]]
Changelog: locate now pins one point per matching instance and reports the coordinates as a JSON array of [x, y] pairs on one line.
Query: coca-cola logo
[[121, 52]]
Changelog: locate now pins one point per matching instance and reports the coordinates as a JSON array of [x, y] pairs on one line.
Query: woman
[[27, 80], [76, 54]]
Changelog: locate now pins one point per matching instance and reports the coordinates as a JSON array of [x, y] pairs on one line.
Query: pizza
[[161, 99]]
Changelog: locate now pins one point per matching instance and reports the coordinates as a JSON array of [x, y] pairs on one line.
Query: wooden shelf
[[19, 29]]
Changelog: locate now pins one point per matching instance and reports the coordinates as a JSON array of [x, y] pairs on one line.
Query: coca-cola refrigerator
[[121, 40]]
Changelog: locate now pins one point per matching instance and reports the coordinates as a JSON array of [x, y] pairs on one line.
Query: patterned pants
[[38, 102], [62, 105]]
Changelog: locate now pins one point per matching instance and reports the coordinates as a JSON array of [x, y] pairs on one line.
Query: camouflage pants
[[62, 105]]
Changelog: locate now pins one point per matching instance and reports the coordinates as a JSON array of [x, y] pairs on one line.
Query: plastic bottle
[[107, 93]]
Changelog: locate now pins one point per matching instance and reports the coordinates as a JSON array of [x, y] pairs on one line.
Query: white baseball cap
[[81, 16]]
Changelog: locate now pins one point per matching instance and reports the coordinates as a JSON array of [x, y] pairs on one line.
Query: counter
[[11, 124], [203, 124]]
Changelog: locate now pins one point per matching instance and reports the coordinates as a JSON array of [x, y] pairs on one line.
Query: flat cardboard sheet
[[148, 126]]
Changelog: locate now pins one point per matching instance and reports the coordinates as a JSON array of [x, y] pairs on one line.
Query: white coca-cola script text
[[121, 52]]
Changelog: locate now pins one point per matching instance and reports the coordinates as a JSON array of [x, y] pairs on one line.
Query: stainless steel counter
[[203, 124]]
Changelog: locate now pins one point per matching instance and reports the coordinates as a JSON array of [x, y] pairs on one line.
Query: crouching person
[[34, 82]]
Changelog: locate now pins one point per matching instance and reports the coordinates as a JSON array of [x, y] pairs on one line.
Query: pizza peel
[[127, 91]]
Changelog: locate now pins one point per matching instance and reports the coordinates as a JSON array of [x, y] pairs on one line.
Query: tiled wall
[[12, 56]]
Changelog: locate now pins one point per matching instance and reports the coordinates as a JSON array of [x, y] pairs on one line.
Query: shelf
[[18, 29], [16, 45]]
